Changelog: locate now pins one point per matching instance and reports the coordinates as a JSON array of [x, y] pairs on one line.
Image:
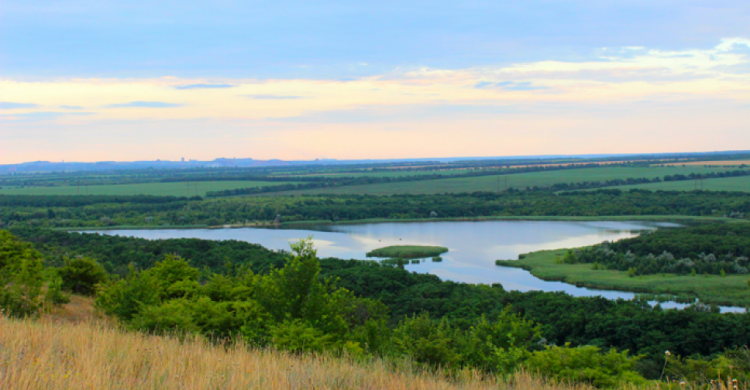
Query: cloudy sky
[[96, 80]]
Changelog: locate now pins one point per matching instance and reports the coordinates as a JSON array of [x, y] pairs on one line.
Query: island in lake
[[408, 251]]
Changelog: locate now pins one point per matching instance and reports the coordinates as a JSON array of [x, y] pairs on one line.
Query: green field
[[163, 189], [389, 173], [732, 290], [408, 251], [741, 183], [518, 181]]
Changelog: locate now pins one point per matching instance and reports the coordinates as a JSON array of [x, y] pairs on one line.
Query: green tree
[[21, 276], [82, 275]]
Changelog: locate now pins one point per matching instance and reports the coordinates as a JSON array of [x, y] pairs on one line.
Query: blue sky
[[285, 58]]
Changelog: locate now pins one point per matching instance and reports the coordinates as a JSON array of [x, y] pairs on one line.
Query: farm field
[[162, 189], [713, 163], [741, 183], [730, 290], [495, 182], [388, 173]]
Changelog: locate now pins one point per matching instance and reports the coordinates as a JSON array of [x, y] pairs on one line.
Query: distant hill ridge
[[47, 166]]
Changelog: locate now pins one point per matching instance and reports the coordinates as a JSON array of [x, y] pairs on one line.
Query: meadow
[[730, 290], [197, 188], [741, 183], [500, 182]]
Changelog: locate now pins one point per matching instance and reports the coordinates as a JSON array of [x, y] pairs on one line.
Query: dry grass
[[58, 354], [80, 309]]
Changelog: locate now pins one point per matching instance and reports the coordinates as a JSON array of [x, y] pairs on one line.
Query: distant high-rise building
[[183, 159]]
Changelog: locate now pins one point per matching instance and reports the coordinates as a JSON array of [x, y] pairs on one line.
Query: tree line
[[62, 211], [716, 249]]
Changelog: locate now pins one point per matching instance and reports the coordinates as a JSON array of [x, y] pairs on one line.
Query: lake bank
[[729, 290]]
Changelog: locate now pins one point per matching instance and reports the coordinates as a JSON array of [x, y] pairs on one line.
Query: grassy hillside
[[74, 351], [518, 181], [163, 189], [724, 184], [730, 290]]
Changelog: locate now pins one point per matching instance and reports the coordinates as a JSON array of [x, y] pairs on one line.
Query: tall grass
[[72, 349], [57, 354]]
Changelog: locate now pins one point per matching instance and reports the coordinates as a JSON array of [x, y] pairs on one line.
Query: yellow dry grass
[[52, 354], [73, 349]]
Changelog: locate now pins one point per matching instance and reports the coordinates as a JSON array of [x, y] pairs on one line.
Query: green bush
[[427, 342], [82, 275], [587, 365], [21, 277], [54, 294], [500, 345]]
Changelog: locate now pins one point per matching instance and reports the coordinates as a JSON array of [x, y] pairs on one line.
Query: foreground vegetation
[[366, 310], [408, 251], [49, 355]]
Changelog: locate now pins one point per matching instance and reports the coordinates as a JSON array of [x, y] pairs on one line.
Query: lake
[[474, 246]]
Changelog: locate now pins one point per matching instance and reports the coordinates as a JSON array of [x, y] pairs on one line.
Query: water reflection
[[474, 246]]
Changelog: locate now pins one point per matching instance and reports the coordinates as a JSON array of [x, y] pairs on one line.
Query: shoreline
[[619, 218]]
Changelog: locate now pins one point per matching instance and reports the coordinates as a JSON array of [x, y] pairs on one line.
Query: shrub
[[82, 275], [21, 276], [427, 342], [586, 364]]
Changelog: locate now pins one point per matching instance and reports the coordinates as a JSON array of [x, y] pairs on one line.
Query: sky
[[131, 80]]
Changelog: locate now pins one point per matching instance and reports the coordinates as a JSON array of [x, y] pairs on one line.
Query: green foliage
[[125, 298], [427, 342], [21, 276], [82, 275], [717, 249], [32, 211], [500, 345], [292, 307], [702, 371], [54, 294], [586, 364], [298, 336]]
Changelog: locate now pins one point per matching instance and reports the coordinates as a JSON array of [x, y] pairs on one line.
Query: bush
[[427, 342], [500, 345], [21, 276], [82, 275], [586, 364]]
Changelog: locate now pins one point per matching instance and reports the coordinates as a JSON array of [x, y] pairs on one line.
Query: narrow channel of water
[[474, 246]]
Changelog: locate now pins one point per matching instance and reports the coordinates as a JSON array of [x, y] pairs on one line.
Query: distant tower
[[183, 159]]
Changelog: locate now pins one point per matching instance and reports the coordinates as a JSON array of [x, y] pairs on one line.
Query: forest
[[148, 211], [716, 249]]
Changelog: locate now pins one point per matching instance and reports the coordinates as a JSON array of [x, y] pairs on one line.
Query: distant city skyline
[[123, 81]]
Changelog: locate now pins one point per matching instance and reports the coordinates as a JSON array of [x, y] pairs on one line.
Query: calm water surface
[[474, 246]]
